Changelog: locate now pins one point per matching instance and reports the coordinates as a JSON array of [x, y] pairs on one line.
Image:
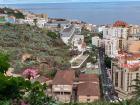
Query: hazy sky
[[56, 1]]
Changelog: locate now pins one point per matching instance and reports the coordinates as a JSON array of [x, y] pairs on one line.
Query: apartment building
[[67, 34], [115, 38], [62, 85], [96, 41], [88, 89], [125, 69]]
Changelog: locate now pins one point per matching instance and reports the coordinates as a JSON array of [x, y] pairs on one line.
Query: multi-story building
[[115, 38], [57, 25], [88, 89], [96, 41], [133, 46], [67, 34], [62, 85], [125, 69]]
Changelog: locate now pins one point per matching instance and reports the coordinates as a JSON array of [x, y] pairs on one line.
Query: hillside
[[39, 47], [16, 13]]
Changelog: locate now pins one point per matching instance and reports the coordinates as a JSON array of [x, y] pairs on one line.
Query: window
[[128, 82], [137, 75], [88, 100], [116, 79], [122, 79]]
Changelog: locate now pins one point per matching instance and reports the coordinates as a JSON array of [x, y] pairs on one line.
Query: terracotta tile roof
[[88, 77], [65, 77], [120, 24], [88, 89]]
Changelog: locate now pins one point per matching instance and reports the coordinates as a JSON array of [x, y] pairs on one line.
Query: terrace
[[78, 61]]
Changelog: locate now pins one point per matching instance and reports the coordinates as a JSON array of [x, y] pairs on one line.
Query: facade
[[115, 32], [96, 41], [88, 89], [133, 46], [125, 69], [115, 39], [57, 25], [77, 42], [100, 28], [62, 86], [67, 34]]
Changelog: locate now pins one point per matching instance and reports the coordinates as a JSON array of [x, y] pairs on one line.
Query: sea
[[98, 13]]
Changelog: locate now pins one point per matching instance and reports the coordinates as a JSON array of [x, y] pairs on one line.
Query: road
[[106, 82]]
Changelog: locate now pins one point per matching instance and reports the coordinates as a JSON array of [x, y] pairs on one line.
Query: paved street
[[107, 85]]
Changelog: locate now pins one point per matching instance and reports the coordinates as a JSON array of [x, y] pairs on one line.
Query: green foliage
[[4, 62], [52, 35], [93, 54], [107, 61], [17, 89], [5, 102], [19, 39], [12, 12], [12, 88]]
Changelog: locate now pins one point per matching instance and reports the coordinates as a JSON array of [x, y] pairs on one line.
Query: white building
[[77, 42], [115, 32], [100, 28], [96, 41], [67, 34], [58, 24], [41, 22], [115, 40]]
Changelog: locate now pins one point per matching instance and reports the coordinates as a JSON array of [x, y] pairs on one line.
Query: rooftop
[[67, 32], [65, 77], [120, 24], [88, 89], [88, 78]]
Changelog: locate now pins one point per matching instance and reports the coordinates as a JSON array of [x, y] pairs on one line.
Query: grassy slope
[[19, 39]]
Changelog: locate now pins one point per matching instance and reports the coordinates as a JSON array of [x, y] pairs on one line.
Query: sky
[[55, 1]]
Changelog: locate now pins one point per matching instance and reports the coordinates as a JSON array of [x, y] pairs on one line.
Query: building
[[3, 18], [62, 85], [125, 69], [133, 46], [57, 25], [96, 41], [134, 32], [88, 89], [115, 38], [115, 32], [67, 34], [100, 28], [77, 42]]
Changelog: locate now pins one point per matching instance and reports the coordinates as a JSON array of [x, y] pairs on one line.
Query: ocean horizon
[[91, 12]]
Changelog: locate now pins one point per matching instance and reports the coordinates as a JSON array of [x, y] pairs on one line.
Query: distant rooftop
[[67, 32], [120, 24]]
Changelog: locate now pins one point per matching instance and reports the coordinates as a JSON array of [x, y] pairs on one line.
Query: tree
[[30, 73], [13, 87], [37, 95], [17, 90], [107, 61], [4, 62]]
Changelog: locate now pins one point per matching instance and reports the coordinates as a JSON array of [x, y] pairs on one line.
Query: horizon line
[[69, 2]]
